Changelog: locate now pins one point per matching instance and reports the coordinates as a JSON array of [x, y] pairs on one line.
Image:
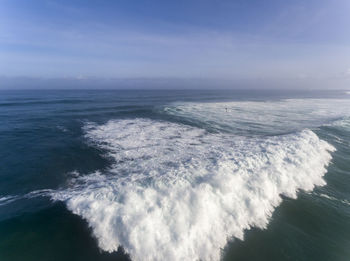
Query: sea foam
[[177, 192], [261, 117]]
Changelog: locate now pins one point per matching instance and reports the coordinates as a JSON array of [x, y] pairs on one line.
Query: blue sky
[[306, 42]]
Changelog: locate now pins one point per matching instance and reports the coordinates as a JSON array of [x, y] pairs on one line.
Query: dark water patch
[[26, 238], [24, 204], [302, 229], [38, 157]]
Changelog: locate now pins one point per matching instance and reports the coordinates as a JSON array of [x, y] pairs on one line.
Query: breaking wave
[[177, 192]]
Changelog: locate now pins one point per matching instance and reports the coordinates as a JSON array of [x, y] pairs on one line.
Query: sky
[[273, 43]]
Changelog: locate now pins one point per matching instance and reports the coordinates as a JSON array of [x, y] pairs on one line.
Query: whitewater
[[179, 192]]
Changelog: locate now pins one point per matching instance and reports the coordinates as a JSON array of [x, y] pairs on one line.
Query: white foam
[[177, 192], [257, 117], [343, 201], [343, 123], [7, 199]]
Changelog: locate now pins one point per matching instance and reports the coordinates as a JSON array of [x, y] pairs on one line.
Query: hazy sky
[[300, 41]]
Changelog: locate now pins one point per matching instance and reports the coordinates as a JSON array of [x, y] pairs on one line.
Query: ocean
[[174, 175]]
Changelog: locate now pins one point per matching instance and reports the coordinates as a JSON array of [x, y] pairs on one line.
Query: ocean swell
[[177, 192]]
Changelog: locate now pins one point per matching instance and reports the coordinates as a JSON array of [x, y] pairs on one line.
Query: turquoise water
[[177, 175]]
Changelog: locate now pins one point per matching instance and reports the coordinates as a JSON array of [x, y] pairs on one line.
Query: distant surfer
[[226, 109]]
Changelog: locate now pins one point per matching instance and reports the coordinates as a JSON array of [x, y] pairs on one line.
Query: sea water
[[174, 175]]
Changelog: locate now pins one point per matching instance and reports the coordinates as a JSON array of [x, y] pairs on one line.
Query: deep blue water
[[52, 202]]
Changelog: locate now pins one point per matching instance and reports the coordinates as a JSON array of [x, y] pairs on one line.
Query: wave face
[[177, 192]]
